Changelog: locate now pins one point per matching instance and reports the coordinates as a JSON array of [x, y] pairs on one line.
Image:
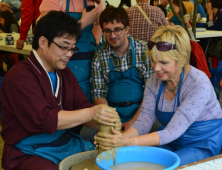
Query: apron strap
[[68, 2], [67, 5]]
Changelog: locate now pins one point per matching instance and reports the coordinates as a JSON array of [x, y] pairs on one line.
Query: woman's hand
[[106, 115], [89, 18], [107, 141]]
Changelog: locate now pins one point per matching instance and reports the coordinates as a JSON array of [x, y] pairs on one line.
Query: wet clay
[[90, 164]]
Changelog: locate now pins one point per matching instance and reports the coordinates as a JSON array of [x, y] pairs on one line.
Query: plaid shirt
[[100, 66], [139, 27]]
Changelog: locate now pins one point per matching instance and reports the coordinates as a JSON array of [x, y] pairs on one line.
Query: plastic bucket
[[139, 154], [66, 163]]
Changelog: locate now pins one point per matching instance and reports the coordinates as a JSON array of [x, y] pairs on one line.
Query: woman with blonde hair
[[183, 99]]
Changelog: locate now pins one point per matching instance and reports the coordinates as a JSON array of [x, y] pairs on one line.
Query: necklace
[[174, 87]]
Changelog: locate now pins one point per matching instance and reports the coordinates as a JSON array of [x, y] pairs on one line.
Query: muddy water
[[138, 166], [88, 164]]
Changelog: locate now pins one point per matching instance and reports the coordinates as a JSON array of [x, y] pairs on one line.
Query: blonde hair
[[174, 35]]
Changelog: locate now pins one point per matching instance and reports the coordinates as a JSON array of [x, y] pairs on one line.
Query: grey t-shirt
[[198, 102]]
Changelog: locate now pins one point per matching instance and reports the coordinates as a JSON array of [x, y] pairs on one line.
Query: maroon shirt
[[29, 106]]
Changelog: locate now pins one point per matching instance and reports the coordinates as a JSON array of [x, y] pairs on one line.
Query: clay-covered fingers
[[106, 116], [111, 141]]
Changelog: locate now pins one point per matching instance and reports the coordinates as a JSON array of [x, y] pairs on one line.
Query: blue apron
[[80, 63], [54, 147], [125, 90], [205, 135]]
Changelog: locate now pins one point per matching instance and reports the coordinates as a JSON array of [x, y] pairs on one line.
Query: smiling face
[[166, 70], [116, 41], [54, 57]]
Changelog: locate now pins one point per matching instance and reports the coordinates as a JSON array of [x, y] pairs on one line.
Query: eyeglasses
[[117, 31], [162, 46], [66, 49]]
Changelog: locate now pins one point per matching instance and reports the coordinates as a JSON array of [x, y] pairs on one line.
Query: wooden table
[[12, 48], [202, 161]]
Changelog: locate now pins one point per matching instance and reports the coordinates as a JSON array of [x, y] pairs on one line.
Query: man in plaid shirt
[[119, 69], [139, 27]]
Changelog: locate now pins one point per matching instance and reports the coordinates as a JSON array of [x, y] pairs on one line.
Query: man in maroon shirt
[[41, 98]]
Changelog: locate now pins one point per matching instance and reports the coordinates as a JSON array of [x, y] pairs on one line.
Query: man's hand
[[5, 7], [89, 18], [105, 115], [20, 44], [107, 141], [126, 125]]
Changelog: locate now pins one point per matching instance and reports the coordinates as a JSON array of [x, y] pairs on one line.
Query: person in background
[[125, 3], [91, 35], [41, 98], [183, 99], [119, 69], [15, 6], [29, 14], [214, 22], [202, 13], [173, 19], [154, 2], [139, 27], [163, 5], [5, 7], [8, 23], [188, 6]]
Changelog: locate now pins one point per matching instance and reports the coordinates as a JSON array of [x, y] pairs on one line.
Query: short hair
[[216, 3], [152, 1], [112, 13], [174, 35], [56, 24], [9, 19], [176, 2]]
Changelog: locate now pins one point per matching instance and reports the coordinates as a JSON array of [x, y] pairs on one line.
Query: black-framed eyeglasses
[[116, 31], [67, 49], [162, 46]]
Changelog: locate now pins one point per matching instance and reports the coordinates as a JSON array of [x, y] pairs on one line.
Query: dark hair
[[216, 3], [56, 24], [112, 13], [125, 2], [9, 20], [151, 2], [176, 2]]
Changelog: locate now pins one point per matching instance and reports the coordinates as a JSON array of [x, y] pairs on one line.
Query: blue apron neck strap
[[159, 93], [133, 52], [111, 66], [68, 2], [85, 3], [181, 80], [67, 5]]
